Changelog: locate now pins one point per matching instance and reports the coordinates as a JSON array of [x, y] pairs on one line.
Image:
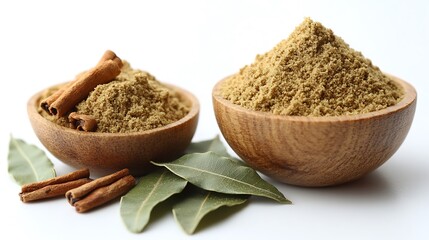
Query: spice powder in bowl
[[312, 73], [112, 117], [133, 102], [313, 111]]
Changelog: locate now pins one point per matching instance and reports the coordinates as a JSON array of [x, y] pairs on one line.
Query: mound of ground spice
[[311, 73], [134, 101]]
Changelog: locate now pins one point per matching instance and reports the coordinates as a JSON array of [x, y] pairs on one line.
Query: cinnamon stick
[[100, 191], [82, 173], [64, 99], [105, 194], [54, 187], [76, 194], [51, 191], [82, 122], [109, 55], [45, 103], [81, 87]]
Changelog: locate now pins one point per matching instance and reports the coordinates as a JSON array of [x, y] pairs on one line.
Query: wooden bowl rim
[[410, 96], [193, 112]]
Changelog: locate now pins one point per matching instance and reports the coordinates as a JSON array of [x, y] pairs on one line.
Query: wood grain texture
[[110, 152], [315, 151]]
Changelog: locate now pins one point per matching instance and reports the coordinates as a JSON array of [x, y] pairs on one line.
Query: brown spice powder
[[135, 101], [311, 73]]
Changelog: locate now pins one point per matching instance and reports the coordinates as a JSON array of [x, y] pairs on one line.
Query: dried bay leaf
[[198, 203], [27, 163], [214, 145], [152, 189], [214, 172]]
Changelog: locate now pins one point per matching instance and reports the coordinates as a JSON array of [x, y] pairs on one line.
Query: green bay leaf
[[198, 203], [152, 189], [214, 172], [27, 163]]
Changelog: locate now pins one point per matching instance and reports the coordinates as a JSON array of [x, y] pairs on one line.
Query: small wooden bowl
[[315, 151], [108, 152]]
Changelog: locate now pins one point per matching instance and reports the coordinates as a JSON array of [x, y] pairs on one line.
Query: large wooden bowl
[[315, 151], [108, 152]]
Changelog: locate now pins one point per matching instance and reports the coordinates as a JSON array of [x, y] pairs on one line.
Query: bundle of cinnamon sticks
[[66, 98], [81, 192]]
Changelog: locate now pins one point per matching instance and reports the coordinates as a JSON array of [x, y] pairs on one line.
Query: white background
[[194, 44]]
